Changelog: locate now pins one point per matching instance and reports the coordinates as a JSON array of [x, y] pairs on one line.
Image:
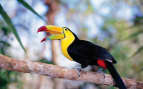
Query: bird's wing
[[89, 51]]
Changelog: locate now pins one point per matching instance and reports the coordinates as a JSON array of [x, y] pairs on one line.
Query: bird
[[82, 51]]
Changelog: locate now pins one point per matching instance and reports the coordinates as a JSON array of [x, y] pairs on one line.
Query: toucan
[[82, 51]]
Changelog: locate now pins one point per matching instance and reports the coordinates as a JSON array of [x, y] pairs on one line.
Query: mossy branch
[[55, 71]]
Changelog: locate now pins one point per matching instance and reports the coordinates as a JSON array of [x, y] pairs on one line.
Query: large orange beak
[[52, 32], [51, 29]]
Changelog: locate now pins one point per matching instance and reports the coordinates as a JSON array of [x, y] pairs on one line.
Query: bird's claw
[[78, 71]]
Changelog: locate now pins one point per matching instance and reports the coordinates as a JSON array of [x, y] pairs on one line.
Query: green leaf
[[7, 77], [5, 30], [5, 43], [133, 35], [26, 5], [11, 26], [138, 51], [45, 61]]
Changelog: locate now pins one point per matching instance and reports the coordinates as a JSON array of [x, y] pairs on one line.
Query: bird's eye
[[66, 29]]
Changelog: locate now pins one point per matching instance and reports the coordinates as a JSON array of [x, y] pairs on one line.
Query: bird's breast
[[65, 43]]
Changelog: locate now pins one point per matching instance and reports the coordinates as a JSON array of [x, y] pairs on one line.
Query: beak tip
[[43, 28]]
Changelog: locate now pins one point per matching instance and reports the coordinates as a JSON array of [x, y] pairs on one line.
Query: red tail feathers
[[101, 63]]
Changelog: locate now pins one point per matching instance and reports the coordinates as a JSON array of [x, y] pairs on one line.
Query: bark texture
[[55, 71]]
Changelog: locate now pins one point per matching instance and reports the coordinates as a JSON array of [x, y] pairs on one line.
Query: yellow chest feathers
[[66, 42]]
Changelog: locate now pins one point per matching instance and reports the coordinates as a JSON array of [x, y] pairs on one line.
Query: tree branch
[[55, 71]]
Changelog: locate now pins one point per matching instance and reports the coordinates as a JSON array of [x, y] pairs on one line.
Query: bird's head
[[54, 32]]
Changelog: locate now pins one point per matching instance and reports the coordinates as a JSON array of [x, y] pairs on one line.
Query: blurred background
[[113, 24]]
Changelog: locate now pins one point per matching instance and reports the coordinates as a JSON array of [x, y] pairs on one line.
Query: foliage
[[10, 25], [26, 5], [7, 77], [45, 61]]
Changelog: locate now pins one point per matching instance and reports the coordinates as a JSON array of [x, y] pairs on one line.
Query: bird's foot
[[78, 71]]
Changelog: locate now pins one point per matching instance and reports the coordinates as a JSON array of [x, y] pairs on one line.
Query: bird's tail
[[115, 75]]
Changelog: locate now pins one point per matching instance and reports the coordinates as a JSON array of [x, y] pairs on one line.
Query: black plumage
[[87, 53]]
